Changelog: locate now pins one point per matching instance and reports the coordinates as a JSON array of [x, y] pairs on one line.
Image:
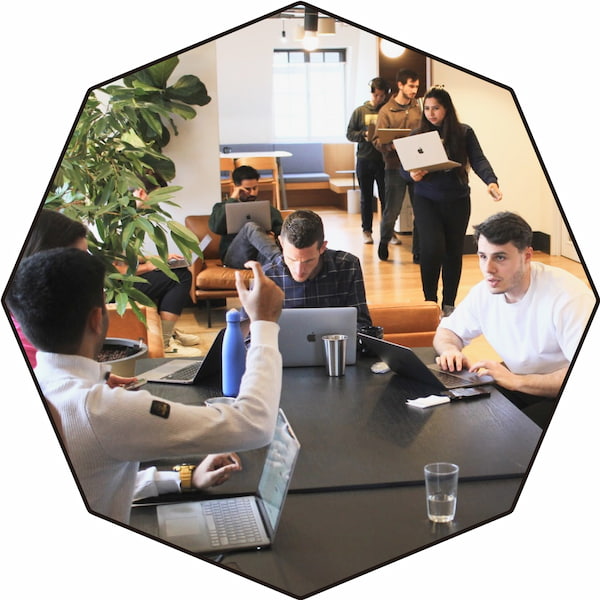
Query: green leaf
[[189, 89], [137, 312], [164, 267], [122, 301], [185, 112], [159, 73], [132, 138], [182, 231]]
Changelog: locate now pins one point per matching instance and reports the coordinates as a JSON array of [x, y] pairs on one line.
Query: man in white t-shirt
[[532, 314]]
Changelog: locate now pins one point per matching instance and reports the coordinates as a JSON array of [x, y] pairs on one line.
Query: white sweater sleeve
[[140, 426], [151, 482]]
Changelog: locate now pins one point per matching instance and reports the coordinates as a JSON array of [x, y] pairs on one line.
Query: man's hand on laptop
[[265, 300], [452, 360]]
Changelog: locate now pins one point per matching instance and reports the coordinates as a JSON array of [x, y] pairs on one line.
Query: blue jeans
[[395, 189], [368, 172], [252, 242]]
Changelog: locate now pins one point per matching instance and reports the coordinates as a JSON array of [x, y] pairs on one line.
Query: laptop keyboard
[[448, 380], [184, 373], [231, 521]]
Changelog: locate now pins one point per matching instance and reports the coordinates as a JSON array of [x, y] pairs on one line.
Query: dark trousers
[[442, 226], [369, 172], [538, 408], [252, 242], [168, 295]]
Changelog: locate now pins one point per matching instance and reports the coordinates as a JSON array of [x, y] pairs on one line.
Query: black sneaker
[[382, 251]]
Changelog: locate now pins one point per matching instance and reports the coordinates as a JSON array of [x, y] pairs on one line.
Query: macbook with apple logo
[[423, 151], [301, 330]]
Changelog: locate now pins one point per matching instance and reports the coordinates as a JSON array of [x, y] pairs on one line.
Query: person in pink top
[[52, 229]]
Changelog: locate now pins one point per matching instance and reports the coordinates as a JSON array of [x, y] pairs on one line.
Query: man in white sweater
[[532, 314], [58, 298]]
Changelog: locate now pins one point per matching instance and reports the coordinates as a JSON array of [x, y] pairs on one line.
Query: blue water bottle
[[234, 354]]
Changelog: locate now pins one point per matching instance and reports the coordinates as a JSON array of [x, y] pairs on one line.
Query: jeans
[[442, 226], [395, 189], [252, 242], [368, 172]]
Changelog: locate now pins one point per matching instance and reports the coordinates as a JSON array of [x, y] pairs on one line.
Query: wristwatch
[[185, 475]]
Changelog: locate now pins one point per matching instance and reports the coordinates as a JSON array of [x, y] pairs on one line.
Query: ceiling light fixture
[[311, 25], [283, 38], [390, 49]]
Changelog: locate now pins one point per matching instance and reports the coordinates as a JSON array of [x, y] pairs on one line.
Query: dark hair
[[503, 228], [451, 132], [404, 75], [52, 229], [244, 172], [379, 84], [52, 295], [303, 228]]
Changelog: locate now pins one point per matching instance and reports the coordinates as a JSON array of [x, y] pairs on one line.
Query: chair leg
[[208, 314]]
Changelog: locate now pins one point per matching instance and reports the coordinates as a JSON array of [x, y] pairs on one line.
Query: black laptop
[[188, 371], [405, 362]]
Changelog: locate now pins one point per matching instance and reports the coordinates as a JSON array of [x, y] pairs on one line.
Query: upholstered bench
[[407, 324]]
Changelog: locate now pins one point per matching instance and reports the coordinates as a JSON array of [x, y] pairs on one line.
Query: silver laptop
[[239, 213], [405, 362], [188, 371], [208, 526], [423, 151], [301, 329]]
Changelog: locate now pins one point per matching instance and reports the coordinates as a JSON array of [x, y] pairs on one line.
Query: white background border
[[52, 53]]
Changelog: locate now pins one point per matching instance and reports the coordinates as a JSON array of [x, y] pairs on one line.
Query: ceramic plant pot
[[121, 354]]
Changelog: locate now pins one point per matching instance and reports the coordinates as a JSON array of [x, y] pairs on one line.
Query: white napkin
[[428, 401]]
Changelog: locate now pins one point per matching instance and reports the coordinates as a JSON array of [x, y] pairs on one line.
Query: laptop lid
[[188, 372], [186, 525], [301, 330], [277, 472], [388, 135], [405, 362], [423, 151], [238, 213]]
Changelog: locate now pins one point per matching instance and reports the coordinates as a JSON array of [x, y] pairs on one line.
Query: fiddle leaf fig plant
[[115, 149]]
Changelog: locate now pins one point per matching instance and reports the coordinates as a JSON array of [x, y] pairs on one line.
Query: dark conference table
[[357, 496]]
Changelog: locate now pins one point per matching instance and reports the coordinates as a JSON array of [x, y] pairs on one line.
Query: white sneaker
[[186, 339], [176, 349], [396, 241], [367, 237]]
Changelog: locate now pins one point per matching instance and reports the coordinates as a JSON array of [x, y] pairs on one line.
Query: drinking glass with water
[[441, 487]]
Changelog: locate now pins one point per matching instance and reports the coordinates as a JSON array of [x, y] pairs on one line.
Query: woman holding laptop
[[442, 201]]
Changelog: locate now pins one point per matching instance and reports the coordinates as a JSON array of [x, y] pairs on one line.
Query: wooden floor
[[396, 280]]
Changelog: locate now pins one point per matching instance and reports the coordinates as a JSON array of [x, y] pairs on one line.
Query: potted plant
[[116, 147]]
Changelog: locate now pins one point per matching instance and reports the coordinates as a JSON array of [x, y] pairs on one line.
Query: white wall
[[493, 114], [195, 150]]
